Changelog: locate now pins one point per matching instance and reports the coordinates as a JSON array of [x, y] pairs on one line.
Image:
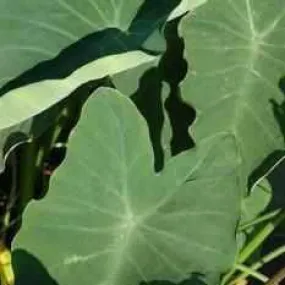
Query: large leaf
[[168, 117], [110, 219], [37, 30], [97, 38], [22, 103], [236, 55]]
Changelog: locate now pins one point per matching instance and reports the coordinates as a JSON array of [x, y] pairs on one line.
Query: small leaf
[[256, 202]]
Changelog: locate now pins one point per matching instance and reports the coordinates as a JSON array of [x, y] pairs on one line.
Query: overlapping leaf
[[124, 222], [62, 37], [236, 55], [37, 30], [25, 102], [256, 202], [88, 31]]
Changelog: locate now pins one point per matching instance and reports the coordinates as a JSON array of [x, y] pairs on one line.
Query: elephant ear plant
[[138, 142]]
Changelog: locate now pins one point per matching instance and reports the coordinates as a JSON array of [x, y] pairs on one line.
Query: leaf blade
[[124, 221]]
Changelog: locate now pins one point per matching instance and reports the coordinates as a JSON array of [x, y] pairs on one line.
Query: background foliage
[[168, 122]]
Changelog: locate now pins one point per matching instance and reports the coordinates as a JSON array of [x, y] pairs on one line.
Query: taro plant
[[151, 133]]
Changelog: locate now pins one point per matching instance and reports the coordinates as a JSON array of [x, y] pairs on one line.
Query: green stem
[[250, 271], [228, 276], [270, 256], [51, 137], [259, 220], [261, 236], [265, 259], [62, 120], [27, 172], [255, 243]]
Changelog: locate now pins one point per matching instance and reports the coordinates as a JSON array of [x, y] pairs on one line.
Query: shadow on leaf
[[195, 279], [276, 180], [274, 177], [181, 114], [149, 102], [148, 99], [52, 153], [102, 43], [29, 270]]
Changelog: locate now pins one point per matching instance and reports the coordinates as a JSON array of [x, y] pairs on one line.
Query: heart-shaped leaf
[[110, 219]]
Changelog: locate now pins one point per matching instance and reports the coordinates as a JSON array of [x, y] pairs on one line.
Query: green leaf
[[21, 104], [184, 6], [154, 88], [144, 86], [37, 30], [236, 55], [256, 202], [44, 42], [124, 222], [13, 136], [36, 104]]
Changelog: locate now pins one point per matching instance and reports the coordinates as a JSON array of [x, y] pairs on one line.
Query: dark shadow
[[5, 197], [282, 84], [276, 177], [267, 163], [277, 181], [13, 139], [101, 43], [150, 17], [174, 67], [29, 270], [274, 241], [55, 154], [52, 156], [279, 110], [195, 279], [8, 193], [149, 101]]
